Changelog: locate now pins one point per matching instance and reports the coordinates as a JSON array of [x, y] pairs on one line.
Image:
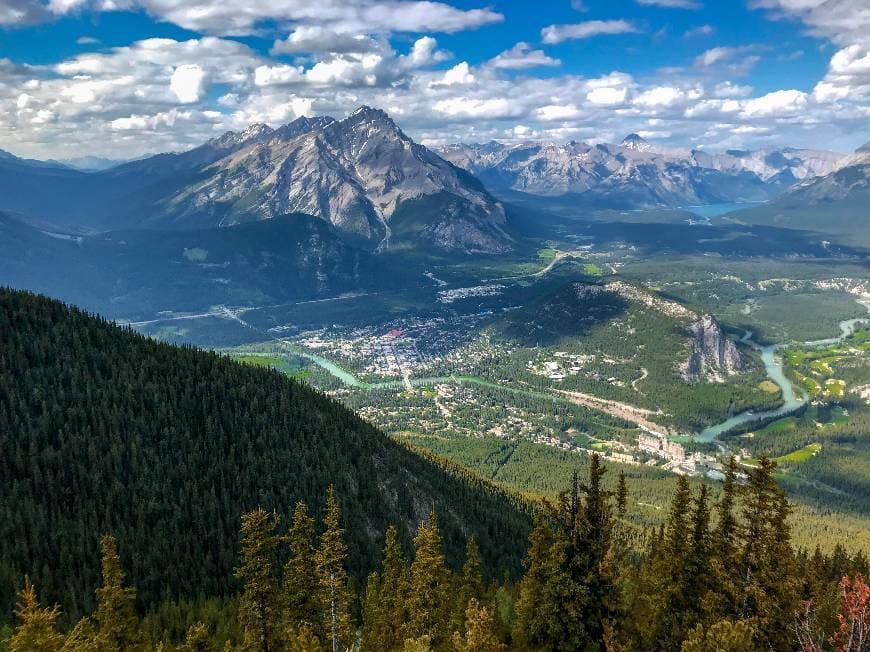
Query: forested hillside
[[105, 431]]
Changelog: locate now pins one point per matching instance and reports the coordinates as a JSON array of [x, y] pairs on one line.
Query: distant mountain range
[[637, 174], [834, 204], [360, 174]]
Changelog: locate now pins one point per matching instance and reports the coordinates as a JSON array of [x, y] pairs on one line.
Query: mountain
[[833, 205], [136, 273], [106, 431], [358, 174], [90, 163], [635, 142], [636, 174]]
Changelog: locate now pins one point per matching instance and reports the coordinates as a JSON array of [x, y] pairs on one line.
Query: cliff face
[[712, 355]]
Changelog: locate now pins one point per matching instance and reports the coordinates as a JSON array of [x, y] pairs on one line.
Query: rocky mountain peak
[[864, 149], [636, 143], [257, 132]]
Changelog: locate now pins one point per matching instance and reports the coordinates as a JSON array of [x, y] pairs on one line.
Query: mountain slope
[[134, 274], [353, 173], [833, 205], [637, 174], [103, 430]]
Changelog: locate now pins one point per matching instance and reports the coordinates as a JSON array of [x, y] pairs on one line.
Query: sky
[[125, 78]]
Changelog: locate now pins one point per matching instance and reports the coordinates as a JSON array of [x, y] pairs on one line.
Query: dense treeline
[[103, 430], [736, 586]]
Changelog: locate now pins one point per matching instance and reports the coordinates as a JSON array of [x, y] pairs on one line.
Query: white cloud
[[845, 22], [522, 56], [778, 103], [671, 4], [715, 55], [660, 96], [278, 75], [460, 74], [557, 112], [188, 83], [559, 33], [727, 89], [316, 38], [474, 107], [701, 30], [848, 76], [607, 96]]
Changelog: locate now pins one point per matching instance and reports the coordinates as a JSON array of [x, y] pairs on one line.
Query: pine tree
[[695, 576], [621, 495], [766, 566], [330, 561], [428, 587], [36, 627], [480, 632], [385, 613], [259, 609], [470, 585], [724, 636], [722, 601], [82, 638], [117, 625], [196, 640], [301, 593]]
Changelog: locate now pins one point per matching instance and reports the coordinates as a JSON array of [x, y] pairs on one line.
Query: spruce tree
[[259, 608], [722, 601], [428, 597], [767, 587], [117, 625], [480, 632], [196, 640], [385, 621], [330, 559], [470, 585], [36, 627], [301, 590], [621, 495]]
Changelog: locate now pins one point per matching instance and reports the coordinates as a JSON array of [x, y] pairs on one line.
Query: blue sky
[[121, 78]]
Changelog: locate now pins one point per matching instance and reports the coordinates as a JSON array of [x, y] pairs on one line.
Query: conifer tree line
[[720, 577]]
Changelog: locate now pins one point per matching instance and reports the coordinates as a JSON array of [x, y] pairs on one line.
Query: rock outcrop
[[712, 355]]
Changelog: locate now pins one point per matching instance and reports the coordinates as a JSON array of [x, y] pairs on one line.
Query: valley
[[566, 304]]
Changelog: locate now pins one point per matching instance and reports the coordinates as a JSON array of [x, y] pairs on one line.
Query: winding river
[[773, 366], [792, 398]]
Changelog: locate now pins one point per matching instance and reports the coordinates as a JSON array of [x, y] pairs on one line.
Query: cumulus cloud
[[715, 55], [846, 22], [460, 74], [848, 76], [317, 38], [778, 103], [522, 56], [727, 89], [188, 83], [558, 33]]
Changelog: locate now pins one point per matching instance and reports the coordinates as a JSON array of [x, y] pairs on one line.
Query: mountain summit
[[635, 142], [361, 174]]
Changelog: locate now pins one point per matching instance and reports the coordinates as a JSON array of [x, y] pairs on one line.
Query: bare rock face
[[712, 355], [354, 173]]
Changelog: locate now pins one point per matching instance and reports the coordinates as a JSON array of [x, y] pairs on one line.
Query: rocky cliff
[[712, 355]]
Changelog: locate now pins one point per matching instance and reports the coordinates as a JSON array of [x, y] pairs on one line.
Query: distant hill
[[103, 430], [140, 272]]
